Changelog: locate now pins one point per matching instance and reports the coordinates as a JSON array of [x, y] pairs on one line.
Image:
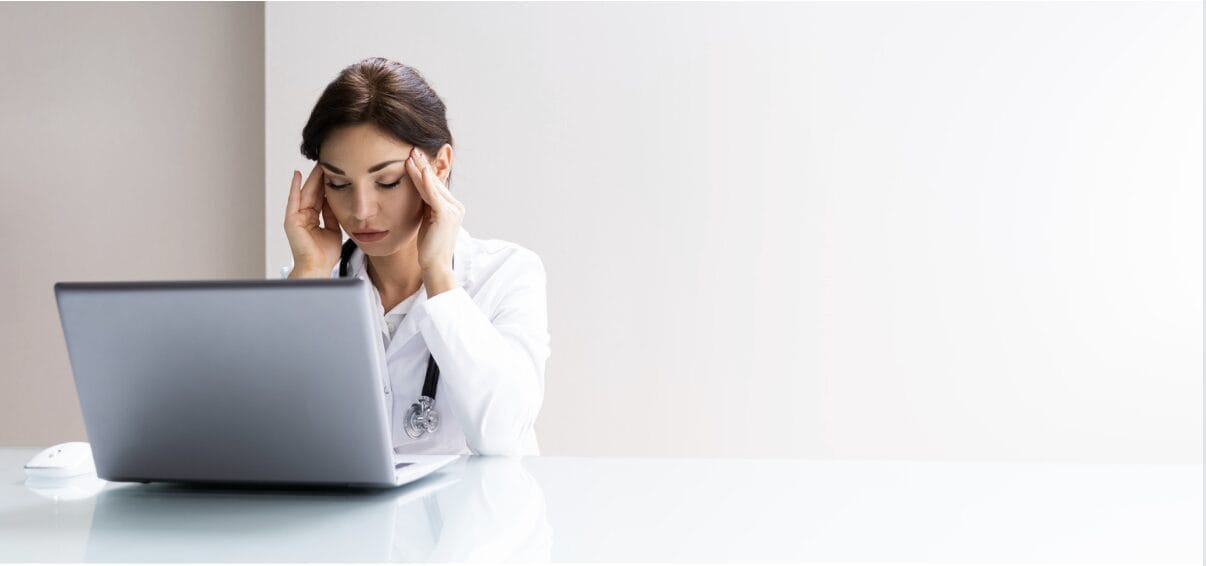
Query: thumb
[[328, 217]]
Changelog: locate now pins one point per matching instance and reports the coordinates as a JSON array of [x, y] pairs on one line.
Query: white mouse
[[62, 460]]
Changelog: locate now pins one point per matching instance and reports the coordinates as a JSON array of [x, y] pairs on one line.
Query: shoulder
[[497, 263]]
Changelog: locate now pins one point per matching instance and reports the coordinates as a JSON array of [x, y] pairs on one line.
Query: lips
[[369, 236]]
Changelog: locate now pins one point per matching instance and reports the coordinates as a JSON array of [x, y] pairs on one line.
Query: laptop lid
[[245, 381]]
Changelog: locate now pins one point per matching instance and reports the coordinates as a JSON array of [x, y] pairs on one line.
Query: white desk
[[620, 509]]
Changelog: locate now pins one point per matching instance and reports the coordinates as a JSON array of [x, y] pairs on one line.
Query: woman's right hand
[[315, 248]]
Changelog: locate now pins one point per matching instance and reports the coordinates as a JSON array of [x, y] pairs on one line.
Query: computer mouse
[[62, 460], [83, 486]]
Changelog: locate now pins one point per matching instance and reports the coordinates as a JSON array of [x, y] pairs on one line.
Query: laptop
[[234, 381]]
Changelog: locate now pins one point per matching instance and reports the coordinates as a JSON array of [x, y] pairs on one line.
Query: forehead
[[357, 147]]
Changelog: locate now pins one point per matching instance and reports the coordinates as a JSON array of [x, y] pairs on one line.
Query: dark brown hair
[[386, 94]]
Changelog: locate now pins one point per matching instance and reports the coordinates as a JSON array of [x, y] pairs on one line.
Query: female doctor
[[463, 321]]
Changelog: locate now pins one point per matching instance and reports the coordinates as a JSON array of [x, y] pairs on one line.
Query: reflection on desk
[[487, 509], [571, 509]]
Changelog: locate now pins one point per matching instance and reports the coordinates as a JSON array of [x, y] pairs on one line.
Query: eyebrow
[[372, 169]]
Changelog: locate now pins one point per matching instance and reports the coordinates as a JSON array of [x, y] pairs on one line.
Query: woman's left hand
[[442, 215]]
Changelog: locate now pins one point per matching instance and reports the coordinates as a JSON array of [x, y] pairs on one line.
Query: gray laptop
[[248, 381]]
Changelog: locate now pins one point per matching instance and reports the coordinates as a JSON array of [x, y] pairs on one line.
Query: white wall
[[934, 230]]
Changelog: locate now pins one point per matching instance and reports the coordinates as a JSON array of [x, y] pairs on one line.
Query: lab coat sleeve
[[492, 364]]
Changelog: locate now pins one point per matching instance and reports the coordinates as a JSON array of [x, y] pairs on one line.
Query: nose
[[364, 203]]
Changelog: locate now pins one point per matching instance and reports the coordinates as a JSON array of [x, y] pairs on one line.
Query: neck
[[396, 275]]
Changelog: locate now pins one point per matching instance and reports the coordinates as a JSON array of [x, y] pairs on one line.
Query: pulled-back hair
[[389, 95]]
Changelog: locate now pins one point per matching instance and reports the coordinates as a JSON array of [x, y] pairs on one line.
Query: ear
[[443, 162]]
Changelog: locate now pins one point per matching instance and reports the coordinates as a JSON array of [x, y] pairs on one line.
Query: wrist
[[434, 265], [309, 273], [437, 280]]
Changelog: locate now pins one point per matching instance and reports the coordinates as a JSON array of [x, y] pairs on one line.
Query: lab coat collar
[[461, 270]]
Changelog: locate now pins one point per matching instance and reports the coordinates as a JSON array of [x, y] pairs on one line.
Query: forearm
[[495, 382]]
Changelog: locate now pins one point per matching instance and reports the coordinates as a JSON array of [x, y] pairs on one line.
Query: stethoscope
[[422, 417]]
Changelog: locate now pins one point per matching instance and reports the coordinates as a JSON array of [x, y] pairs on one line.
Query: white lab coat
[[489, 336]]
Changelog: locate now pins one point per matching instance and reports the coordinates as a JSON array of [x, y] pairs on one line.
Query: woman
[[466, 315]]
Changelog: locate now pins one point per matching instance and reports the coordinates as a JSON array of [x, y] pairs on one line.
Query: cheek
[[408, 204], [339, 206], [414, 202]]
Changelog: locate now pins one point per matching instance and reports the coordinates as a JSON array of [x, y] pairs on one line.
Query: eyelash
[[343, 186]]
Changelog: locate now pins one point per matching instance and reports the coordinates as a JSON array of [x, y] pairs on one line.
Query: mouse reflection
[[477, 508]]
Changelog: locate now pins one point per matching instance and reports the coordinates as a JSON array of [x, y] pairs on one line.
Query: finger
[[309, 191], [419, 178], [433, 184], [447, 193], [437, 184], [294, 189], [328, 216]]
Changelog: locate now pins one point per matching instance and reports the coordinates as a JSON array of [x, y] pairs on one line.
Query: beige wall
[[132, 147]]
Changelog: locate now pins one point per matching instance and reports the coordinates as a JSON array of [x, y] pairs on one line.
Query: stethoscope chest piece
[[421, 418]]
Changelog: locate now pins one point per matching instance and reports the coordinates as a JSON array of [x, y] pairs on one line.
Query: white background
[[939, 230]]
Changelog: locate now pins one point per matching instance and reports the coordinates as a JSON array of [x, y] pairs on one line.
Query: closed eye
[[345, 185]]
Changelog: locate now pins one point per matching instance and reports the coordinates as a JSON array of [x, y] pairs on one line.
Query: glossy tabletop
[[620, 509]]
